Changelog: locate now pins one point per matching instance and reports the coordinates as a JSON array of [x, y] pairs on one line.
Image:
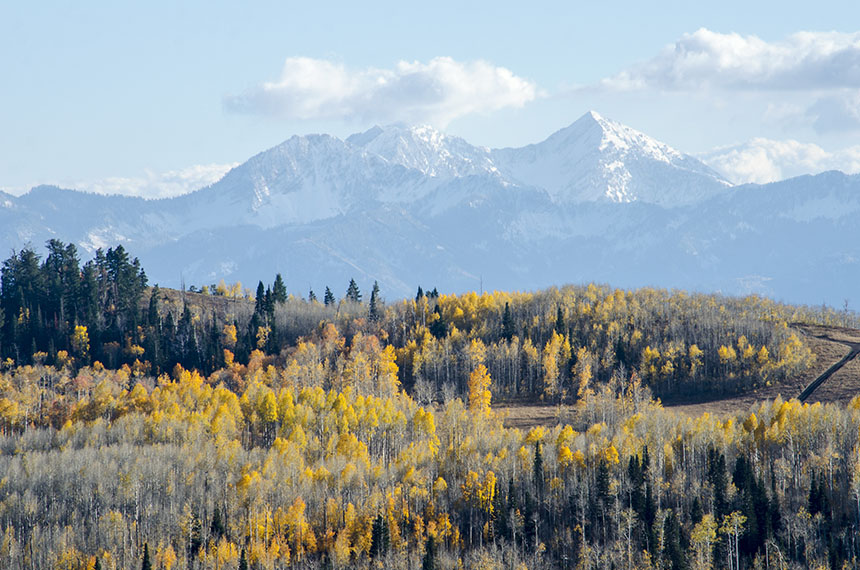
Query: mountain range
[[409, 206]]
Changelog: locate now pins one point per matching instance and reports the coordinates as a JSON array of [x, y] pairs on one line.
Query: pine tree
[[279, 290], [328, 298], [147, 565], [507, 323], [217, 526], [420, 294], [312, 297], [379, 537], [537, 469], [243, 561], [374, 302], [260, 300], [353, 295], [559, 322], [439, 328], [429, 561], [152, 312]]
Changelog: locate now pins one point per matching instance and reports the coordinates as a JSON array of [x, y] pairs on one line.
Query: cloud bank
[[437, 92], [157, 184], [763, 160], [706, 59]]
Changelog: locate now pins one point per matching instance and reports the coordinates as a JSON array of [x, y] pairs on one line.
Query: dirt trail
[[838, 336], [835, 377]]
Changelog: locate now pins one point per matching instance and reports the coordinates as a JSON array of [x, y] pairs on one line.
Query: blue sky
[[156, 97]]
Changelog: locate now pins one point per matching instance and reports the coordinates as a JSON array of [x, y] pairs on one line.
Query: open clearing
[[830, 344]]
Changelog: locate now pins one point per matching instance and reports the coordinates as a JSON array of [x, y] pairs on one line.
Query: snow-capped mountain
[[425, 149], [596, 159], [596, 201]]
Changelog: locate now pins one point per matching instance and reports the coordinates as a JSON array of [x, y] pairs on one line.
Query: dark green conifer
[[429, 561], [353, 295], [260, 300], [375, 311], [328, 298], [279, 290], [147, 564], [507, 323]]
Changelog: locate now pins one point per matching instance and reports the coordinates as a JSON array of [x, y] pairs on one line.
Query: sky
[[162, 97]]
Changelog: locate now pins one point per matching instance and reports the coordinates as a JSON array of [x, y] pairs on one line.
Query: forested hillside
[[144, 428], [547, 344]]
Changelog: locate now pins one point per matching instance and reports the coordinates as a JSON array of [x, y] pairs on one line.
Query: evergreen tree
[[379, 537], [537, 469], [217, 526], [98, 564], [719, 480], [328, 298], [429, 560], [146, 565], [260, 300], [559, 321], [152, 318], [353, 295], [312, 297], [508, 326], [243, 561], [420, 294], [279, 290], [439, 328], [375, 303], [696, 512]]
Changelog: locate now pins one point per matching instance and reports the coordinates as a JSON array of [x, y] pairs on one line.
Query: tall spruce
[[508, 326], [146, 564], [279, 290], [353, 294], [375, 308], [328, 298]]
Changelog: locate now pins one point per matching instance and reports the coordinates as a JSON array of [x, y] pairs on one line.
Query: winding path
[[855, 350]]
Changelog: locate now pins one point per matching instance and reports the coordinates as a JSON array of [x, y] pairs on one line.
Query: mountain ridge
[[405, 205]]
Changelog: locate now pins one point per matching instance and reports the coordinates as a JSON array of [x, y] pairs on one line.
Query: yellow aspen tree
[[476, 352], [733, 527], [583, 371], [480, 396], [702, 539], [81, 342], [694, 353], [263, 336], [551, 352], [228, 336]]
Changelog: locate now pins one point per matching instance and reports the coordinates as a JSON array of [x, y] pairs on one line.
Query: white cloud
[[437, 91], [763, 160], [156, 184], [803, 61]]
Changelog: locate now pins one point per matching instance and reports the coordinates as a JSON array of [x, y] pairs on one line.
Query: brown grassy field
[[829, 344]]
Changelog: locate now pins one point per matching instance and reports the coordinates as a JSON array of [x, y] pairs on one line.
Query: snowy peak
[[425, 149], [316, 177], [305, 179], [597, 159]]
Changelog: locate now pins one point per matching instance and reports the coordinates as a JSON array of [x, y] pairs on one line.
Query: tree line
[[548, 344]]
